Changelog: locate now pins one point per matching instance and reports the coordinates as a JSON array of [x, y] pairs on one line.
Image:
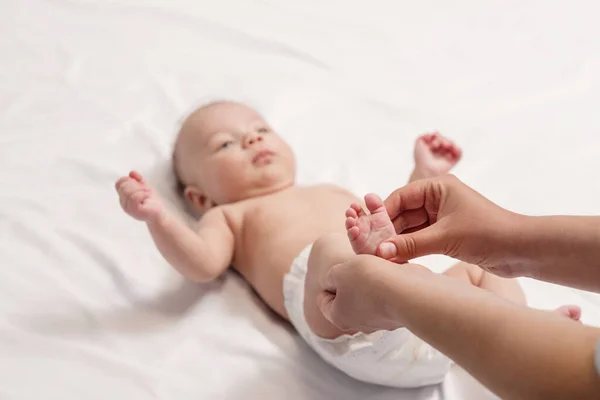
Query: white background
[[90, 89]]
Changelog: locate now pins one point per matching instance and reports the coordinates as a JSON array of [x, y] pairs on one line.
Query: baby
[[239, 175]]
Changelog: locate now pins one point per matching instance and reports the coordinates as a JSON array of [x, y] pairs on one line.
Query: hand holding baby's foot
[[138, 199], [434, 155], [366, 231]]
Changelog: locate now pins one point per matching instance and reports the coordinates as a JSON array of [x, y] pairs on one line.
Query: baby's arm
[[201, 256]]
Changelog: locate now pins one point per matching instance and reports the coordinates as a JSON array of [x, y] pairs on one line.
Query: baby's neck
[[276, 189], [270, 190]]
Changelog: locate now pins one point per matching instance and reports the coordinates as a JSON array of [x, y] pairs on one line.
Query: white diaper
[[392, 358]]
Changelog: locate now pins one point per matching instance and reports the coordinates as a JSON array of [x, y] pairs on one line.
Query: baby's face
[[229, 153]]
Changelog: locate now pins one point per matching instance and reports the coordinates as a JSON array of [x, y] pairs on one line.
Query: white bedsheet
[[90, 89]]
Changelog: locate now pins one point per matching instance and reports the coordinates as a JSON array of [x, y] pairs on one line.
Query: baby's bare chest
[[288, 222], [304, 211]]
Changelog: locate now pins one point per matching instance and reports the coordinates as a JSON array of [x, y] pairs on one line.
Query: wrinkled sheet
[[90, 89]]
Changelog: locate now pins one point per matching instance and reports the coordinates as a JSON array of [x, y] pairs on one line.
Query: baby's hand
[[138, 199]]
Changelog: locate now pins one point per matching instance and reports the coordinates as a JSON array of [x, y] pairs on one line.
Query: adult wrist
[[506, 246], [532, 243], [402, 292]]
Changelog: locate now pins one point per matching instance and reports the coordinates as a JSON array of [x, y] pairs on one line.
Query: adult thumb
[[405, 247]]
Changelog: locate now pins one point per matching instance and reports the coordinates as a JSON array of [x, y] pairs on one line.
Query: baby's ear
[[197, 199]]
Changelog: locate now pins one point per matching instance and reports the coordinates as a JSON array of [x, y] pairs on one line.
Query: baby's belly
[[270, 260], [275, 235]]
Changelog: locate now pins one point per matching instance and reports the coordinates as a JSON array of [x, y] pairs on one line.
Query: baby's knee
[[465, 271], [325, 243], [327, 250], [320, 258]]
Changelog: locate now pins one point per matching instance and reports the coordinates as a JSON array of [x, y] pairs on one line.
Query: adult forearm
[[518, 353], [560, 249]]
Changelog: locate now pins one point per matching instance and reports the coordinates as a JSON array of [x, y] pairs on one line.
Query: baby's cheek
[[230, 178]]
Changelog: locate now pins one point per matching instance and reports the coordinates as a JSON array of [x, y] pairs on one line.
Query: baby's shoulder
[[232, 214]]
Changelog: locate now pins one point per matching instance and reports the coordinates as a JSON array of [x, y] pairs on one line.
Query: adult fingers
[[410, 219], [325, 302], [424, 193], [401, 248], [409, 197]]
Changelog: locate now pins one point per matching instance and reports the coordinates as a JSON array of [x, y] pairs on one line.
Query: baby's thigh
[[326, 252]]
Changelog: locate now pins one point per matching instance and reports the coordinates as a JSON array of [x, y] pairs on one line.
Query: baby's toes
[[436, 144], [443, 151], [373, 202], [358, 209], [351, 213], [350, 222], [432, 136], [449, 156], [456, 153], [453, 154], [352, 228], [570, 311], [353, 233], [426, 137], [445, 144]]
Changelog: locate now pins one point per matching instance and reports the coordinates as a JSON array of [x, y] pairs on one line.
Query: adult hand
[[444, 216], [549, 357], [361, 293]]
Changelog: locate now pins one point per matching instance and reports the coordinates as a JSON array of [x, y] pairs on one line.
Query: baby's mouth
[[262, 157]]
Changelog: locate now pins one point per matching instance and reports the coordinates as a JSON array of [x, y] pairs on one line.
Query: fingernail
[[387, 250]]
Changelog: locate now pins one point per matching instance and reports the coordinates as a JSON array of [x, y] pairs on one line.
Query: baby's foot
[[366, 231], [569, 311], [434, 155]]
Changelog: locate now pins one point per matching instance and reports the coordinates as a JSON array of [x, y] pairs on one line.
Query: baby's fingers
[[137, 176], [136, 200], [125, 194], [121, 181], [129, 187]]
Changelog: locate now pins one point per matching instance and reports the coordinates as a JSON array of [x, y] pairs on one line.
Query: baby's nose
[[253, 139]]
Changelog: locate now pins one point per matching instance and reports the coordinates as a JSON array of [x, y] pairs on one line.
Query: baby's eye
[[226, 144], [263, 130]]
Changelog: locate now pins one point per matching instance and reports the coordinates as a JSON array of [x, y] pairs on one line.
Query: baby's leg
[[473, 275], [365, 232], [326, 252], [503, 287]]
